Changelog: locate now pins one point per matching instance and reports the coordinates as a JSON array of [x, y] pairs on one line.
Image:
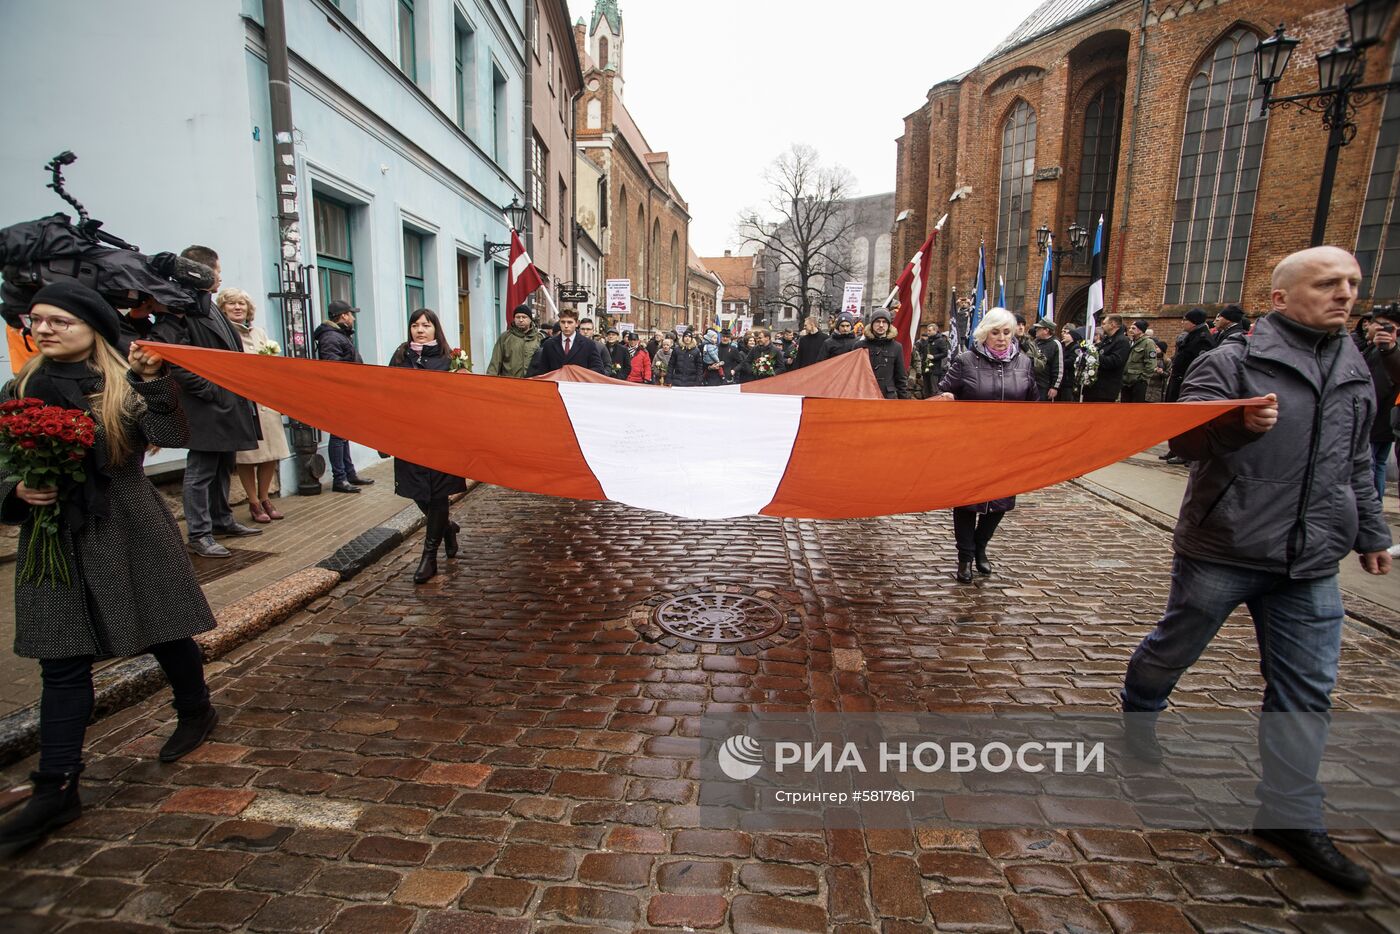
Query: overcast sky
[[725, 86]]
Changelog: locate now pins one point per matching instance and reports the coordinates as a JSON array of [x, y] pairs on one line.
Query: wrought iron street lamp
[[1078, 237], [515, 214], [1340, 92]]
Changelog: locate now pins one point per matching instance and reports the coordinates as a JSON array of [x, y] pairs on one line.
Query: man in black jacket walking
[[809, 344], [1195, 340], [221, 423], [334, 341], [886, 355], [567, 347], [1230, 325], [844, 340], [1114, 348]]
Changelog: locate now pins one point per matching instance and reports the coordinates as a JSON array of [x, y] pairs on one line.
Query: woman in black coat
[[993, 370], [427, 349], [687, 363], [131, 588]]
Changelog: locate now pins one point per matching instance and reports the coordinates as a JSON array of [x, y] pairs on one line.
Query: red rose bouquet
[[43, 445], [458, 360]]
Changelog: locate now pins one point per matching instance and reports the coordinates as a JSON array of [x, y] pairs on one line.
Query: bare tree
[[804, 230]]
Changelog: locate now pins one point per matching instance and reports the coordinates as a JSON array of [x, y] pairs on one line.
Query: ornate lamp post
[[515, 213], [1078, 237], [1339, 93]]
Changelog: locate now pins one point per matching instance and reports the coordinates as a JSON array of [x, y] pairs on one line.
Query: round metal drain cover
[[719, 617]]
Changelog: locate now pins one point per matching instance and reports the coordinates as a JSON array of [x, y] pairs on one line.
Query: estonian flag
[[1095, 283], [1046, 311]]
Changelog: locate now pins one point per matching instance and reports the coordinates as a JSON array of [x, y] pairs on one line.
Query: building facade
[[407, 138], [1147, 114], [550, 183], [738, 276], [701, 289], [649, 227]]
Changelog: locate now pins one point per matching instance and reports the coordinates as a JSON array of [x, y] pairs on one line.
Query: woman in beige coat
[[257, 467]]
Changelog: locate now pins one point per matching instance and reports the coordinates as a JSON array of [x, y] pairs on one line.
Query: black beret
[[84, 304], [1233, 313]]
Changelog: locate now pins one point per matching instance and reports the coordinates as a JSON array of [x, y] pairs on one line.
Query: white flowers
[[271, 348]]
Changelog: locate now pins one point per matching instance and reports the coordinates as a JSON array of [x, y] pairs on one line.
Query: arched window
[[602, 51], [626, 235], [595, 114], [1014, 203], [1216, 184], [676, 294], [881, 284], [860, 258], [1378, 243], [639, 281], [1098, 163], [655, 292]]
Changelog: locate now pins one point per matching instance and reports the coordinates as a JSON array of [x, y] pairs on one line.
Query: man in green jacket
[[516, 347], [1142, 362]]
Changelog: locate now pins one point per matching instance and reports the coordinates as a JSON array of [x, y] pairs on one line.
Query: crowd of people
[[1280, 490]]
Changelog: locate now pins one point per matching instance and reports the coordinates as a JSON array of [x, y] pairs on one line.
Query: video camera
[[36, 253]]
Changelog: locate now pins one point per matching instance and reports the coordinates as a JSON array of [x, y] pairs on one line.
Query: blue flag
[[979, 294], [1001, 292], [1046, 309], [1095, 283]]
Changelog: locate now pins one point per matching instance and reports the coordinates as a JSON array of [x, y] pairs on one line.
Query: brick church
[[1148, 113]]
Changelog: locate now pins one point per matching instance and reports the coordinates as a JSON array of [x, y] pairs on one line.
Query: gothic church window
[[1378, 244], [1014, 203]]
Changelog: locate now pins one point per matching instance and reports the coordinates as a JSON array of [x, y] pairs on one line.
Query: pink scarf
[[418, 348], [1003, 355]]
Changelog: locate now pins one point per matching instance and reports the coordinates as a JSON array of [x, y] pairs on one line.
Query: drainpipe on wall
[[1132, 153], [294, 291]]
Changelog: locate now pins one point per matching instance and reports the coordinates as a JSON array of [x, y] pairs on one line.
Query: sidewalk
[[314, 527], [1156, 489]]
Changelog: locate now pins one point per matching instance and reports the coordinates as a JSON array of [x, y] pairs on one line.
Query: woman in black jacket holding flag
[[994, 370]]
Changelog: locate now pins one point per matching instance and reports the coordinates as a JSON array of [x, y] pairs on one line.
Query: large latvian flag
[[910, 287], [1095, 283], [524, 277]]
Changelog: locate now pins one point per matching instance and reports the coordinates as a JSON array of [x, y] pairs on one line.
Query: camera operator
[[221, 423]]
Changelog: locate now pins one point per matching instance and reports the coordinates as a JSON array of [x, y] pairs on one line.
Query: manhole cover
[[719, 617]]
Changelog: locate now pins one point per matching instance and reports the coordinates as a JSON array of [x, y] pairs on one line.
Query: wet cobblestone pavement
[[510, 748]]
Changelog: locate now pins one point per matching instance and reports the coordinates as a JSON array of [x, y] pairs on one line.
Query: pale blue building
[[408, 141]]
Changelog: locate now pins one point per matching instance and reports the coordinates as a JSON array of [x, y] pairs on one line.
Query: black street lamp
[[515, 214], [1078, 237], [1339, 93]]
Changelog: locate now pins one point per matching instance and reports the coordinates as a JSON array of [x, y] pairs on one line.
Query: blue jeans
[[338, 452], [1298, 625], [1380, 453]]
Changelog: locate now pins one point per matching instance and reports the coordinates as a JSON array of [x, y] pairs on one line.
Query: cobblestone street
[[502, 751]]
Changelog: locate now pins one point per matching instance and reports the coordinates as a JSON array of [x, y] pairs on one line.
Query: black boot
[[984, 567], [449, 539], [1140, 737], [986, 527], [191, 730], [55, 802], [964, 574], [427, 567], [1315, 852]]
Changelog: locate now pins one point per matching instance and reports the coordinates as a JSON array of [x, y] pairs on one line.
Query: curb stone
[[1358, 608], [134, 679]]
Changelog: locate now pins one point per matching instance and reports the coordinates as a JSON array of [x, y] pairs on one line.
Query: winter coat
[[1234, 332], [582, 352], [133, 585], [1193, 343], [513, 352], [1142, 361], [887, 360], [661, 366], [1293, 500], [1053, 373], [713, 365], [639, 371], [687, 367], [809, 348], [273, 446], [976, 376], [617, 360], [133, 329], [411, 480], [1069, 381], [1113, 357], [733, 357], [837, 344], [219, 420], [1386, 388], [334, 342], [753, 369]]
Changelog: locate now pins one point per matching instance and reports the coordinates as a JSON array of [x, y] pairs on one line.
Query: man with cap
[[221, 422], [886, 355], [1230, 325], [1047, 380], [334, 340], [844, 339], [616, 359], [1142, 362], [1279, 493], [1194, 340], [639, 369], [516, 347], [731, 355]]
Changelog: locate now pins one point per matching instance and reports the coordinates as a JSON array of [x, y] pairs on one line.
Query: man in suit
[[221, 423], [566, 347]]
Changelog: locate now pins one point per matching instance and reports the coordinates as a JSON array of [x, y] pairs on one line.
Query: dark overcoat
[[411, 480], [219, 420], [133, 585], [977, 376]]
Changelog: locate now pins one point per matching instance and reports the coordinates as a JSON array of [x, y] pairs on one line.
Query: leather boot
[[427, 566], [449, 539], [984, 567], [55, 802], [964, 574], [1315, 852], [190, 732]]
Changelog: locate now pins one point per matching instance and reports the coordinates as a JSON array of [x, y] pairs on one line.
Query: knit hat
[[881, 313], [845, 318], [523, 309], [84, 304], [1141, 324], [1196, 316], [1233, 314]]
